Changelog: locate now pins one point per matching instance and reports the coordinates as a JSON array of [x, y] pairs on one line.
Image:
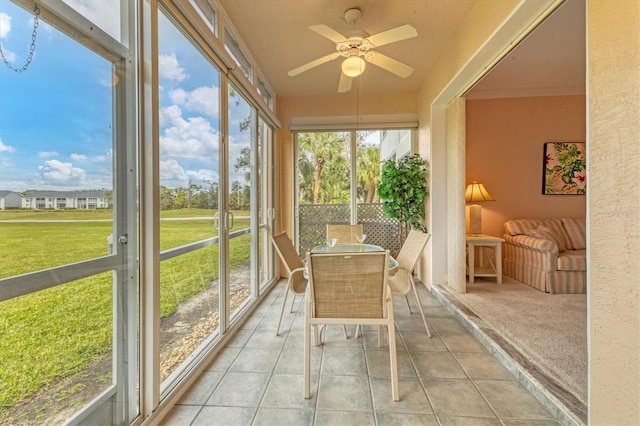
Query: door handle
[[229, 221]]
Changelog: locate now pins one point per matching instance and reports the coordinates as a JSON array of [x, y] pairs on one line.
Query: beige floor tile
[[251, 360], [223, 359], [286, 391], [201, 390], [510, 399], [447, 325], [482, 366], [529, 422], [456, 397], [407, 419], [370, 340], [225, 416], [344, 363], [437, 365], [265, 339], [468, 421], [292, 362], [420, 342], [283, 417], [334, 418], [378, 363], [181, 415], [239, 339], [240, 390], [462, 342], [345, 393], [412, 396]]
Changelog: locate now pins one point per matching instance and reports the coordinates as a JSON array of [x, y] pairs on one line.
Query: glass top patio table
[[355, 248]]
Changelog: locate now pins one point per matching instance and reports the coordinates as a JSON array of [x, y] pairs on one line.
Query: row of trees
[[324, 168], [204, 196]]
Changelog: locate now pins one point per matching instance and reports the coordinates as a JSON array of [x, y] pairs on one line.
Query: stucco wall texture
[[613, 205]]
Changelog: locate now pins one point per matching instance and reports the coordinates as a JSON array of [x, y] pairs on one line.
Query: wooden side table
[[494, 267]]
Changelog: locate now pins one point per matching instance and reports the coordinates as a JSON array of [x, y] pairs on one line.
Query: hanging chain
[[32, 49]]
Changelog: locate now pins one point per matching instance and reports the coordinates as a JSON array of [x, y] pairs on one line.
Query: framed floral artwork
[[564, 168]]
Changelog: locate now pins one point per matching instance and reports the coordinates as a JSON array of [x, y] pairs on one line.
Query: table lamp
[[475, 193]]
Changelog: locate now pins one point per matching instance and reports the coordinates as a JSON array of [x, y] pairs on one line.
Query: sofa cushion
[[558, 228], [577, 230], [521, 226], [573, 260], [547, 233]]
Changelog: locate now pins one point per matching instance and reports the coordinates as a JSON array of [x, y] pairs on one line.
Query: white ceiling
[[549, 61]]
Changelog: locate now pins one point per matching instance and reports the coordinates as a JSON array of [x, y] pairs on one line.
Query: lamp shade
[[477, 192], [353, 66]]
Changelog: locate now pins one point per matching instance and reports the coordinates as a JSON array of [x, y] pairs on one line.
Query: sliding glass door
[[337, 178]]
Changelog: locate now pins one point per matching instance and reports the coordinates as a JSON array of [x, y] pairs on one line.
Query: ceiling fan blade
[[389, 64], [395, 34], [345, 83], [328, 32], [315, 63]]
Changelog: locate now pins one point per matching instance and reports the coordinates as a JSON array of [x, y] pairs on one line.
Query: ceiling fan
[[356, 47]]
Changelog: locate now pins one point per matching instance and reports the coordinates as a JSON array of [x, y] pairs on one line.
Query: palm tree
[[368, 172], [320, 149]]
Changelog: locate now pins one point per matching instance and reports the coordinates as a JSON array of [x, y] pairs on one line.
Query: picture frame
[[564, 169]]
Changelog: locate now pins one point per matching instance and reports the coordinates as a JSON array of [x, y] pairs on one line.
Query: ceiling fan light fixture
[[353, 66]]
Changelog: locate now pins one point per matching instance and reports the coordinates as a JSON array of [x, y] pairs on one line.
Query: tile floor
[[448, 379]]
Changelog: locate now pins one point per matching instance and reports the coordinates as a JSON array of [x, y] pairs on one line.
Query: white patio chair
[[402, 282], [349, 288]]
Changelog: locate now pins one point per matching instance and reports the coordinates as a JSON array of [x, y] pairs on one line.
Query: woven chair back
[[348, 285], [344, 233], [287, 252], [411, 249]]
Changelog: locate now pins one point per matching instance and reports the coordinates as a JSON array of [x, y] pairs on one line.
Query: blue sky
[[56, 117]]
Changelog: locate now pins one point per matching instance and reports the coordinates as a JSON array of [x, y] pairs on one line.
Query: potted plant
[[403, 191]]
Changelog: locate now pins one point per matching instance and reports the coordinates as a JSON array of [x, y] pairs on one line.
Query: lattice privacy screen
[[314, 218]]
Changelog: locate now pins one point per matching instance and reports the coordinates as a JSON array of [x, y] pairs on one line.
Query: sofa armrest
[[532, 243]]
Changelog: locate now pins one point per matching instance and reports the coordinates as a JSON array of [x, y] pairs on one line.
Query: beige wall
[[613, 199], [504, 151]]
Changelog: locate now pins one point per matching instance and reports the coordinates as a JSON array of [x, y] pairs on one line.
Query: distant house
[[59, 200], [10, 200]]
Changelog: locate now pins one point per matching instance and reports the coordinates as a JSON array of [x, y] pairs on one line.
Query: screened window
[[208, 14], [233, 48]]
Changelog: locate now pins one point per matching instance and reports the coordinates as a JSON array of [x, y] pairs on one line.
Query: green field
[[61, 331]]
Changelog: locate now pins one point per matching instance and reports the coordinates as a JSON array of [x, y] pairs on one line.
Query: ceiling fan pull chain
[[32, 48]]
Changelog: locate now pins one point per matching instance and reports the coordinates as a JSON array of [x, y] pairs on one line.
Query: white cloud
[[105, 157], [178, 96], [59, 171], [169, 68], [104, 13], [45, 154], [6, 148], [5, 25], [190, 138], [202, 175], [172, 174], [78, 157], [205, 100]]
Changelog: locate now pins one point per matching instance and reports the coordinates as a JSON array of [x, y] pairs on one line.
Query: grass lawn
[[60, 331]]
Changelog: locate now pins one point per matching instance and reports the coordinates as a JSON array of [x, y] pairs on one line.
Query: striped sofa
[[547, 254]]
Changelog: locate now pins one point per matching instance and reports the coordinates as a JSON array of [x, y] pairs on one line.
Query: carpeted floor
[[550, 330]]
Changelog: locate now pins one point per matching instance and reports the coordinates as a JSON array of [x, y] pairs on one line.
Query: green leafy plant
[[403, 191]]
